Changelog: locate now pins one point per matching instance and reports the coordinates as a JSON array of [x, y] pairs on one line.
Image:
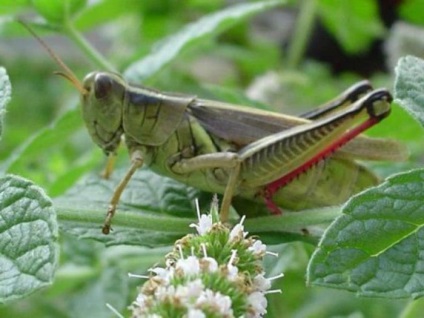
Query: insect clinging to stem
[[283, 161]]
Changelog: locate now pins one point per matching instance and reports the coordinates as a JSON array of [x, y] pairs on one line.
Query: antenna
[[66, 71]]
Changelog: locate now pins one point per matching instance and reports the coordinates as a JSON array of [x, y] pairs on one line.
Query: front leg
[[226, 160], [136, 162]]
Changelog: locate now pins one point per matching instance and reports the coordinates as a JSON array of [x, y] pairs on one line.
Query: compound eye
[[102, 86]]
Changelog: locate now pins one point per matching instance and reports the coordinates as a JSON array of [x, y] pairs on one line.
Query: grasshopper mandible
[[235, 150]]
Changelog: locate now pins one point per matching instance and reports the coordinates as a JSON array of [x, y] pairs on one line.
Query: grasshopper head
[[102, 107], [102, 96]]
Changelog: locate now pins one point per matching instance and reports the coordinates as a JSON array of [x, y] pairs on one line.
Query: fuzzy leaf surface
[[28, 238], [409, 86], [376, 248], [5, 92]]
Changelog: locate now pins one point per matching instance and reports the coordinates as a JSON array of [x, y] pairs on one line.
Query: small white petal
[[258, 302], [190, 265], [159, 271], [188, 294], [205, 224], [257, 248], [232, 272], [140, 301], [195, 313], [237, 233], [211, 264], [195, 287], [182, 293], [163, 273], [261, 283], [222, 303], [162, 293]]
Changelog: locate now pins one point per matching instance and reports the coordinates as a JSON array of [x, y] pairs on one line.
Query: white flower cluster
[[216, 273]]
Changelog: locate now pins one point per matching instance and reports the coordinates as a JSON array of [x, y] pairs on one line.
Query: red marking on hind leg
[[270, 189], [275, 209]]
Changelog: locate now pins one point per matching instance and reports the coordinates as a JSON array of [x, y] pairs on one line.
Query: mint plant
[[370, 246]]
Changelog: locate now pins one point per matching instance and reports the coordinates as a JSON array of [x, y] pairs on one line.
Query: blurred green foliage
[[44, 139]]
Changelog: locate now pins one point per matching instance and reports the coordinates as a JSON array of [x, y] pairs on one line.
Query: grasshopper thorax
[[102, 108]]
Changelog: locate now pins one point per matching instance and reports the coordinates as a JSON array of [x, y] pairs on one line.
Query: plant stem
[[131, 220], [302, 32], [146, 221], [87, 48]]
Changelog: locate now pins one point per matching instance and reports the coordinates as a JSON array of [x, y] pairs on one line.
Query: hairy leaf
[[376, 248], [5, 92], [28, 239], [409, 86], [146, 213]]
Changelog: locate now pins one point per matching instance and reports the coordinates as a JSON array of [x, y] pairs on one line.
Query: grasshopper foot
[[108, 220]]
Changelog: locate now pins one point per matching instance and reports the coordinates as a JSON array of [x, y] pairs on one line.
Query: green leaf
[[47, 138], [100, 12], [355, 24], [412, 10], [147, 190], [74, 172], [111, 288], [145, 215], [202, 29], [5, 92], [12, 6], [376, 247], [28, 238], [409, 86], [58, 11], [414, 309]]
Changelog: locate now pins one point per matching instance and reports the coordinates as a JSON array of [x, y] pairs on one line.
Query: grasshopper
[[284, 161]]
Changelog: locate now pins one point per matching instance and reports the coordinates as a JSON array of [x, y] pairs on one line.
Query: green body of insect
[[240, 151], [235, 150]]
